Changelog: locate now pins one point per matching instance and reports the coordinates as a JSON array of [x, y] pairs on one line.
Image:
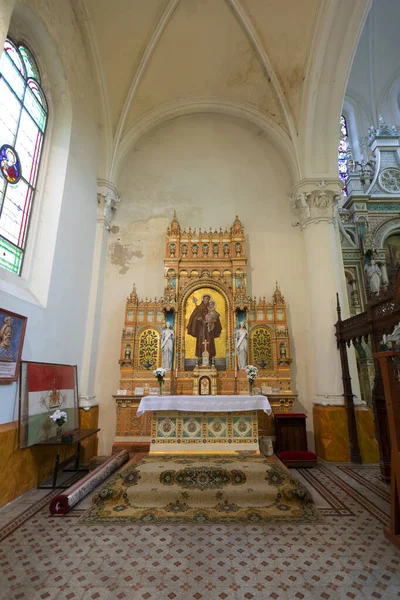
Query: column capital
[[108, 198], [316, 200]]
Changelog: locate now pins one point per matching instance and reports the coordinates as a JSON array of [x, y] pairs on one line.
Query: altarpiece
[[206, 309]]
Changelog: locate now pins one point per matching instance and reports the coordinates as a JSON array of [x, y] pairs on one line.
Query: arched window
[[23, 117], [342, 151]]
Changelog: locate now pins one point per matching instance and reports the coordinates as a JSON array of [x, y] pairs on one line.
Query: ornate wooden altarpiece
[[199, 263], [382, 314]]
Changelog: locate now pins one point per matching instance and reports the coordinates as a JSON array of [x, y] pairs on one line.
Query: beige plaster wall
[[209, 168]]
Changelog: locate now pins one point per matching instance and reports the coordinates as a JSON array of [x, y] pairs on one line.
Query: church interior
[[199, 299]]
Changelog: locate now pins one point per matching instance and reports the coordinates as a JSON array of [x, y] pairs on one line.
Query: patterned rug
[[201, 489]]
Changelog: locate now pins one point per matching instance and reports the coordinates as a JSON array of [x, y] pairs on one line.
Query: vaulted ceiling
[[152, 53]]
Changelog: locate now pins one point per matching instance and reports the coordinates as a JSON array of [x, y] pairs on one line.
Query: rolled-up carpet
[[62, 503]]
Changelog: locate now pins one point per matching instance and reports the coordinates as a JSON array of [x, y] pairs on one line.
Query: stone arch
[[336, 35], [239, 110], [384, 230]]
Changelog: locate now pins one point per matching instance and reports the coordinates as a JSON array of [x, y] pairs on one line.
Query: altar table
[[204, 424]]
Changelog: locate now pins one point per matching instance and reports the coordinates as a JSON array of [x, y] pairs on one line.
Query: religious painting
[[205, 320], [12, 333], [44, 388]]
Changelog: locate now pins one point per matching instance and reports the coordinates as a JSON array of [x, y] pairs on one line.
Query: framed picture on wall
[[12, 333], [45, 388]]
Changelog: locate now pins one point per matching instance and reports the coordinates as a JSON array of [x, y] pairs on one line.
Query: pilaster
[[108, 199], [315, 203]]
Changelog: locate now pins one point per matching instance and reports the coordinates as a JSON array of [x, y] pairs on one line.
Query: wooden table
[[79, 435]]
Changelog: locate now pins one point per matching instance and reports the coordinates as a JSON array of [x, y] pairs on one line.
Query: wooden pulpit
[[390, 366]]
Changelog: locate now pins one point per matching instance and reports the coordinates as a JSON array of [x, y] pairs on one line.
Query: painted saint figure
[[167, 346], [8, 166], [374, 275], [6, 333], [241, 343], [205, 325]]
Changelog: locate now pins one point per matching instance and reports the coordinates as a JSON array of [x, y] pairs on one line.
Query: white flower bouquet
[[251, 372], [159, 374], [59, 417]]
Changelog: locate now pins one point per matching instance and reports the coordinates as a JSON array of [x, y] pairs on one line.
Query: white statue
[[241, 342], [374, 275], [167, 346]]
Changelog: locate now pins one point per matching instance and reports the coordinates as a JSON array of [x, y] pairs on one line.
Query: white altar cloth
[[204, 404]]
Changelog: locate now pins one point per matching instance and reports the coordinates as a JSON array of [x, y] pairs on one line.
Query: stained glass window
[[342, 151], [23, 116]]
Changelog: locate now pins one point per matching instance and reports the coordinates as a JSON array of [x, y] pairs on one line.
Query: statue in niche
[[184, 250], [241, 343], [226, 249], [195, 250], [238, 249], [205, 249], [167, 346], [205, 325], [374, 275], [215, 249], [282, 350], [127, 355], [172, 250]]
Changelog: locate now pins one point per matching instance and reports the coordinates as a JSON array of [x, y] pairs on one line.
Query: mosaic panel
[[216, 427], [242, 426], [191, 427], [166, 427]]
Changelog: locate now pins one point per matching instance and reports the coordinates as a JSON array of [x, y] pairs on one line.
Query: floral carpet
[[202, 489]]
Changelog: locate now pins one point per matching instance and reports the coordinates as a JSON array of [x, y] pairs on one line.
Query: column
[[6, 9], [385, 278], [315, 203], [107, 198]]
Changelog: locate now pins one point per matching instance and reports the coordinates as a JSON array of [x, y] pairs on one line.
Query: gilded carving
[[148, 349], [262, 348]]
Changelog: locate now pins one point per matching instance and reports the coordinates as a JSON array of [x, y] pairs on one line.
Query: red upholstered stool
[[298, 458]]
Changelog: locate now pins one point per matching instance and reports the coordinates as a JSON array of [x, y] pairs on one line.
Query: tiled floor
[[345, 556]]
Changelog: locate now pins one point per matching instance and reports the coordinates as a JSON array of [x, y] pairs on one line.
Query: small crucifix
[[205, 344]]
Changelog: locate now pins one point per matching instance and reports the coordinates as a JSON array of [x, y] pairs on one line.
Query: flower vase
[[59, 433], [160, 383], [251, 383]]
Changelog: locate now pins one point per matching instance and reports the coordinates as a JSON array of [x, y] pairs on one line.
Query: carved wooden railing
[[380, 317]]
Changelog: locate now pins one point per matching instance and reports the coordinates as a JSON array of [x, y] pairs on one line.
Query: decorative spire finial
[[175, 227], [277, 297], [237, 226]]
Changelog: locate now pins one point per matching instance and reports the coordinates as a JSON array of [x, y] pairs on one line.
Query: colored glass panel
[[9, 114], [30, 63], [10, 165], [15, 210], [12, 52], [37, 90], [10, 256], [23, 115], [32, 105], [342, 151], [12, 76], [28, 146]]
